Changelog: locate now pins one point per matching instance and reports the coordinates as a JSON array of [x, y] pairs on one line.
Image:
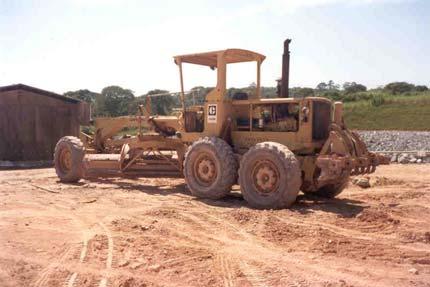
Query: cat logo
[[212, 113]]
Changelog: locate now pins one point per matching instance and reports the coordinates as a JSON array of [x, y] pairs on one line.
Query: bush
[[377, 100], [299, 92], [357, 97], [421, 88], [399, 88], [353, 87], [333, 95]]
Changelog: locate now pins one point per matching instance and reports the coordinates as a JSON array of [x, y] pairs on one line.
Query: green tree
[[117, 101], [399, 88], [198, 95], [268, 92], [322, 86], [333, 95], [94, 99], [421, 88], [299, 92], [353, 87], [332, 86], [83, 95], [162, 103]]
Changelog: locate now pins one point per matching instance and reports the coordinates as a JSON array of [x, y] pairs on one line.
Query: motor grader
[[272, 147]]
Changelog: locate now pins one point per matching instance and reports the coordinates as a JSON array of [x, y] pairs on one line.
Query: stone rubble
[[400, 146]]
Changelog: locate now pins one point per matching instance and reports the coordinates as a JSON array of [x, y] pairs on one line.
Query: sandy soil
[[150, 232]]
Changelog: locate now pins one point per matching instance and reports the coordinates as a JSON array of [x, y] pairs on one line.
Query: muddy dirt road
[[151, 232]]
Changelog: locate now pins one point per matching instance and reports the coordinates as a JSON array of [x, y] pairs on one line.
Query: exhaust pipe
[[285, 69]]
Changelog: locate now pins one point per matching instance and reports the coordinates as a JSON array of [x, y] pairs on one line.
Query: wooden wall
[[31, 124]]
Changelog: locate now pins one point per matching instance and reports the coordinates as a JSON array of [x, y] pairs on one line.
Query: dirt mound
[[242, 216], [381, 216], [128, 225], [281, 232], [385, 181]]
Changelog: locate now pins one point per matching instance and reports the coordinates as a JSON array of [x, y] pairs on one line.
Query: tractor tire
[[68, 159], [210, 168], [270, 176], [332, 190]]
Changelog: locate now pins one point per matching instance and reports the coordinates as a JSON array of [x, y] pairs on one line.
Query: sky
[[90, 44]]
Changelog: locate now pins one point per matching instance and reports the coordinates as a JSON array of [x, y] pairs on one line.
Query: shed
[[32, 120]]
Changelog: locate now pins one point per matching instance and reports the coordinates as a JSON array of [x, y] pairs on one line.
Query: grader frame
[[272, 147]]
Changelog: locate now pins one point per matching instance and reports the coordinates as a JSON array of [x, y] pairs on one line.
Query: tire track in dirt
[[243, 240], [89, 234], [86, 234], [104, 280], [254, 248], [88, 231], [225, 268], [234, 238], [212, 232], [51, 268], [253, 275], [209, 236], [350, 233], [46, 274]]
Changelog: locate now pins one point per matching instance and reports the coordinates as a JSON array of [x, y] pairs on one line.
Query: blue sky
[[76, 44]]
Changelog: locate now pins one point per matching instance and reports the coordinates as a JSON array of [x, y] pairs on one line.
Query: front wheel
[[210, 168], [68, 159], [270, 176]]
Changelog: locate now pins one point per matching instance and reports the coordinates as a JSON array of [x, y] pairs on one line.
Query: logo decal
[[212, 113]]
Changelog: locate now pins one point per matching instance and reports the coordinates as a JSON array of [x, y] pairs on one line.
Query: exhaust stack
[[285, 69]]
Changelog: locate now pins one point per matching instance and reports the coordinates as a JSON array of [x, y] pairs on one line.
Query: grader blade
[[161, 164]]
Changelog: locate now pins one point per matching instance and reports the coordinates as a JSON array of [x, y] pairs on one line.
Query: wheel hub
[[66, 160], [265, 177], [205, 170]]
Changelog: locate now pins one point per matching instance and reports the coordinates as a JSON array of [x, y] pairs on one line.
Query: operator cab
[[210, 117]]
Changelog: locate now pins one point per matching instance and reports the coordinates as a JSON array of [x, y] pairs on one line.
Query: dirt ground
[[151, 232]]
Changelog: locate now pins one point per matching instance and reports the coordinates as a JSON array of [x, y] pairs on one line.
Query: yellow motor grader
[[271, 147]]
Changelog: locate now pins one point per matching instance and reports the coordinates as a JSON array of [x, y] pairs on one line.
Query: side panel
[[299, 141], [243, 140]]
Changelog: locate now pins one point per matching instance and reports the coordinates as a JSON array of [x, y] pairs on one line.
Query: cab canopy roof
[[210, 58]]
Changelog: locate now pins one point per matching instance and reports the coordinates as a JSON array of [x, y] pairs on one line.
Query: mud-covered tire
[[332, 190], [270, 176], [210, 168], [68, 159]]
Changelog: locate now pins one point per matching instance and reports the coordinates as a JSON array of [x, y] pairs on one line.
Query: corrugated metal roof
[[38, 91]]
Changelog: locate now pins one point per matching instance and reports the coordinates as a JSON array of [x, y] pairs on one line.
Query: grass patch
[[405, 112]]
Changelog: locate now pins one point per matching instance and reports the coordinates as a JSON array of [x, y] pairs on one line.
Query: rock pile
[[396, 140], [400, 146], [414, 157]]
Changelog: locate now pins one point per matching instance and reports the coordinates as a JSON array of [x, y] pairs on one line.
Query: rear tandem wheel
[[270, 176]]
